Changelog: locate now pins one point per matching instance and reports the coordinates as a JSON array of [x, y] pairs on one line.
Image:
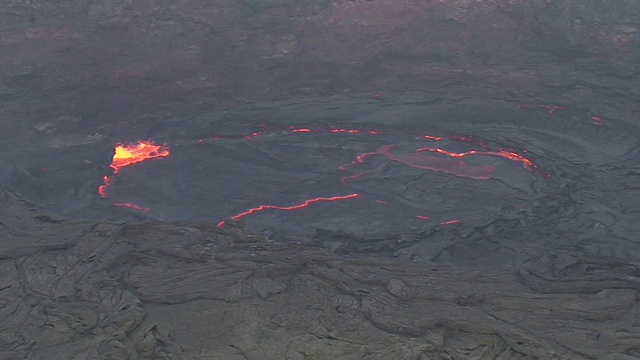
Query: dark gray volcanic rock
[[75, 75], [87, 59], [87, 290], [562, 182]]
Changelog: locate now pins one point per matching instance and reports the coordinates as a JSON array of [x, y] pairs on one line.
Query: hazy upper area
[[75, 62]]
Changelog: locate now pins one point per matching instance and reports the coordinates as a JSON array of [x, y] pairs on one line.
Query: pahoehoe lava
[[328, 169], [401, 229]]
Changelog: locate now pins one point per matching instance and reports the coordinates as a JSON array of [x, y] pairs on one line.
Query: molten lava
[[127, 155], [435, 159], [509, 155], [303, 205], [427, 162]]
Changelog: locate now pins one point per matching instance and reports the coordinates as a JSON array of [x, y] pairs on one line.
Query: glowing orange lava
[[451, 222], [126, 155], [441, 161], [130, 154], [303, 205], [509, 155], [422, 161]]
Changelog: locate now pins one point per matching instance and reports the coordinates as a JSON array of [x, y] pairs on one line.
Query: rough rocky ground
[[88, 71], [88, 290]]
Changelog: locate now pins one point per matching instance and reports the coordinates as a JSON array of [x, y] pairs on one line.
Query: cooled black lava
[[354, 166]]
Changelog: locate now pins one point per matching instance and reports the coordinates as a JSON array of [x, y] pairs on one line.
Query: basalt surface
[[65, 65], [81, 289], [469, 181], [525, 249], [339, 179]]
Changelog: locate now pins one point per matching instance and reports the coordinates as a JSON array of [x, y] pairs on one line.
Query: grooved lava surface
[[160, 200], [397, 227], [471, 177]]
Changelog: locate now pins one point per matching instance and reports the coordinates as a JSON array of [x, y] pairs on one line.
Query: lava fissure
[[302, 205], [428, 162]]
